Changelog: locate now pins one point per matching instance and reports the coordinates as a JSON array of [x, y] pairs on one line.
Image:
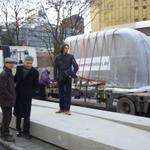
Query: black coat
[[63, 66], [7, 89], [25, 88]]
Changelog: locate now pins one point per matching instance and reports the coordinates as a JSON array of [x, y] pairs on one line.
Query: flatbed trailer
[[129, 103]]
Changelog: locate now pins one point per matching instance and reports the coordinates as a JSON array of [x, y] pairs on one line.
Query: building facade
[[114, 12], [73, 25], [35, 37]]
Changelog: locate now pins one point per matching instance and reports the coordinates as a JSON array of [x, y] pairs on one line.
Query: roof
[[135, 25]]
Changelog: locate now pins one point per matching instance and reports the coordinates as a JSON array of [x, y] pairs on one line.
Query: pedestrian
[[7, 98], [65, 68], [44, 81], [26, 79]]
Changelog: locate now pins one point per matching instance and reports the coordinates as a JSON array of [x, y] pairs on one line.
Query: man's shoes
[[8, 138], [27, 136], [62, 111], [67, 112], [19, 134], [59, 111]]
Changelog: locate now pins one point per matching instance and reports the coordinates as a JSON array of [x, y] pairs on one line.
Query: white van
[[18, 53]]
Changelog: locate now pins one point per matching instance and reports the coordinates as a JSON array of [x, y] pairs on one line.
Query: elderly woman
[[44, 81]]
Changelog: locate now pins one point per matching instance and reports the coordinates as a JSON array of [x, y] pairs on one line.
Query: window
[[136, 8], [144, 19], [136, 19], [144, 7]]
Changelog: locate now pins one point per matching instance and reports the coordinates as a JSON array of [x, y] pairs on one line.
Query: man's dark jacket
[[7, 89], [65, 66], [25, 88]]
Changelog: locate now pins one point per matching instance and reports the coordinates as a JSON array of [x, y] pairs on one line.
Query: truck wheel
[[126, 106]]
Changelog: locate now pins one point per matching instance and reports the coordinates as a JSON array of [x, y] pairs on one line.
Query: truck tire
[[126, 106]]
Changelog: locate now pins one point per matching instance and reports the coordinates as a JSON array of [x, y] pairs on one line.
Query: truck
[[18, 53], [115, 65]]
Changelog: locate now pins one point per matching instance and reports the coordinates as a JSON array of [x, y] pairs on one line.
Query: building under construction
[[115, 12]]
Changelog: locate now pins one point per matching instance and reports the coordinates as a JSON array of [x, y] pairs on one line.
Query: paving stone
[[24, 144]]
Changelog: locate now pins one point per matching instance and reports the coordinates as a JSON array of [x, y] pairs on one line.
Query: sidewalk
[[24, 144]]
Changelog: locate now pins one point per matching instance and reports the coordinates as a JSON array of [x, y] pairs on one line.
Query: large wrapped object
[[121, 57]]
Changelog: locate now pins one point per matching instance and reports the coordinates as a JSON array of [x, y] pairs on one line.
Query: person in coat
[[7, 98], [26, 79], [65, 68], [44, 81]]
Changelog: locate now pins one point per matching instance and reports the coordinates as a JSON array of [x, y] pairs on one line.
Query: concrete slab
[[85, 130], [130, 120]]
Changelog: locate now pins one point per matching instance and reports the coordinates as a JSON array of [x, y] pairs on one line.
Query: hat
[[9, 60]]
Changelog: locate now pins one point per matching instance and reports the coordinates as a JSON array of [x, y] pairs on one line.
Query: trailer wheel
[[126, 106]]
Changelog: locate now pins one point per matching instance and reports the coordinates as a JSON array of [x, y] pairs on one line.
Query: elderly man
[[26, 79], [7, 98]]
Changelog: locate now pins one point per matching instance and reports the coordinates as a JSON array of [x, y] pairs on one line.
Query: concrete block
[[85, 125], [85, 129], [130, 120]]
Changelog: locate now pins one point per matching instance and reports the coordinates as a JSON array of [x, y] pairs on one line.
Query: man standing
[[7, 98], [26, 79], [63, 74]]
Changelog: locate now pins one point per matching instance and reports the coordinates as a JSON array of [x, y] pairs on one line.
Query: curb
[[10, 145]]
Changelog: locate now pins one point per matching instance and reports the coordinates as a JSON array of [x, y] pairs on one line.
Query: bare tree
[[61, 17], [65, 22], [5, 19], [17, 7], [46, 41], [13, 16]]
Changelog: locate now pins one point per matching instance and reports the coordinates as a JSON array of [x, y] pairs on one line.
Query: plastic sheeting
[[121, 57]]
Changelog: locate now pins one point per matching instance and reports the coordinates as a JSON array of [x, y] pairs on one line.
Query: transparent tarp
[[121, 57]]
